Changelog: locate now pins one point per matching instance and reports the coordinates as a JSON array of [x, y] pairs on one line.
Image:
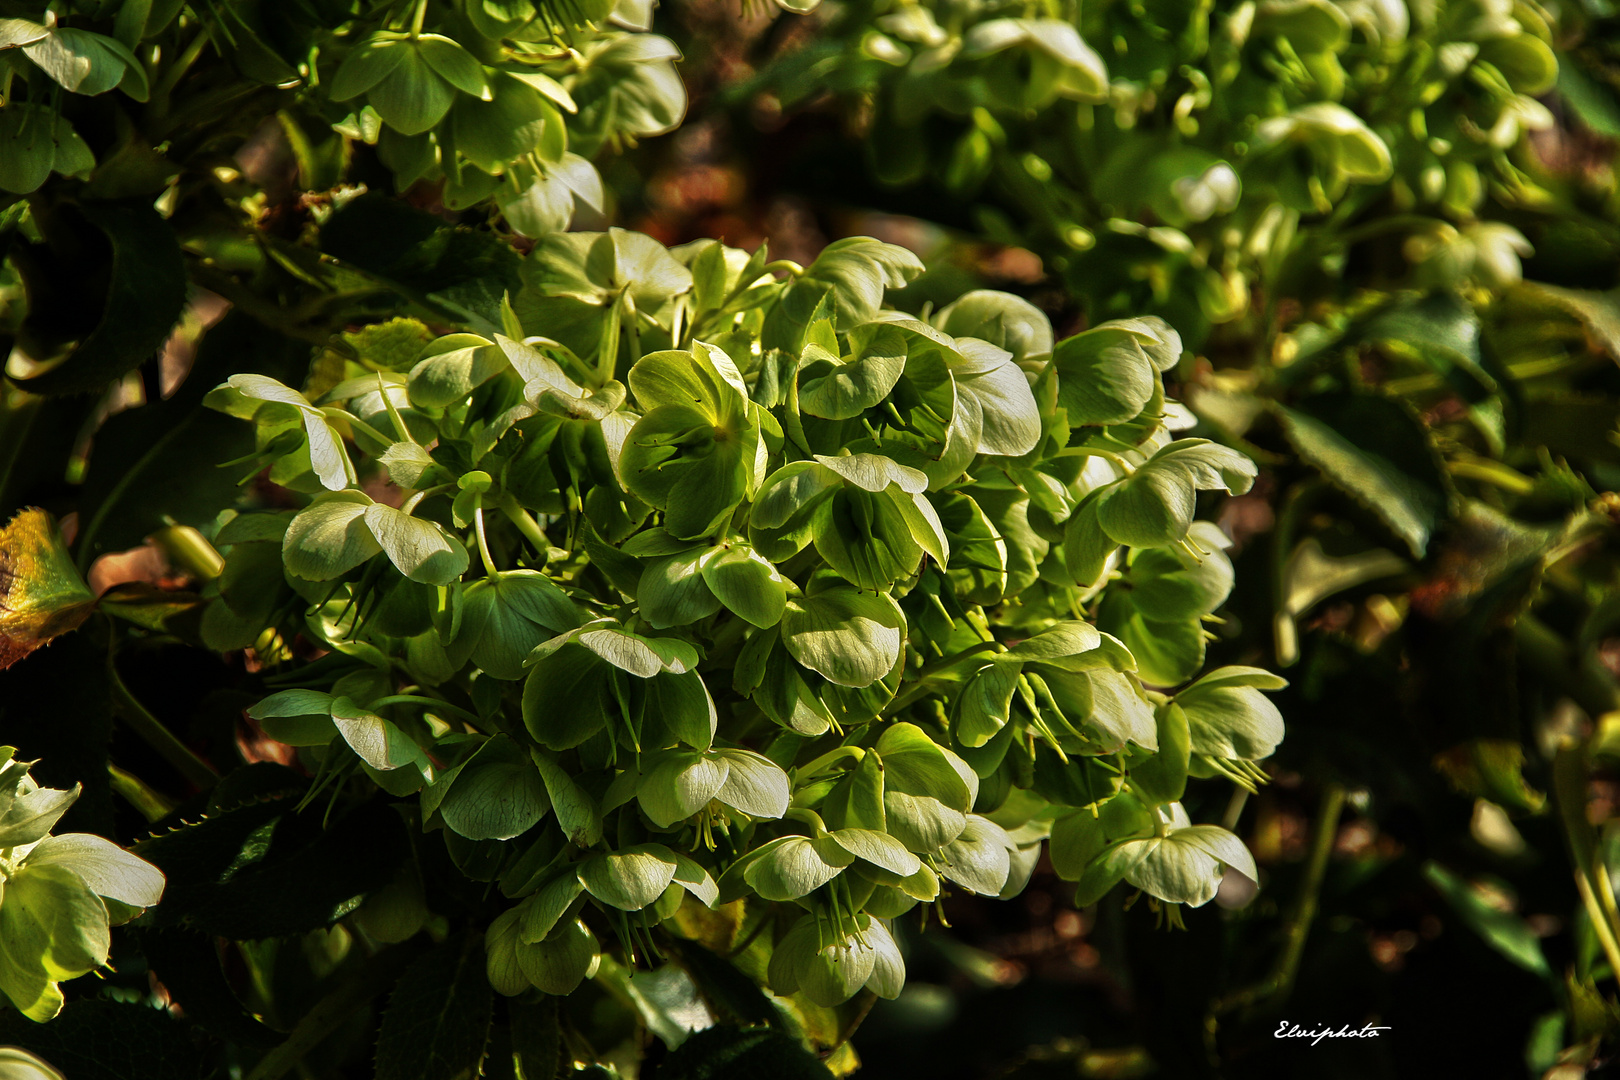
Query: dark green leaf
[[1503, 931], [145, 293], [160, 462], [105, 1040], [261, 871], [1378, 452], [536, 1037], [729, 1053], [455, 270], [437, 1021]]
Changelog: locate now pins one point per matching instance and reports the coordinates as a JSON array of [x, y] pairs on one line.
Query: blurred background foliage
[[1389, 234]]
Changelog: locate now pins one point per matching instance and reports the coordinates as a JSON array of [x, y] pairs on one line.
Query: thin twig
[[154, 734]]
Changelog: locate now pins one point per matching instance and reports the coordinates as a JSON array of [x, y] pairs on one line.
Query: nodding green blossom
[[58, 895]]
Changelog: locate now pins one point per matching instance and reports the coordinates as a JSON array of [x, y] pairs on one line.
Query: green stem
[[393, 412], [809, 817], [981, 626], [483, 543], [1381, 226], [410, 504], [177, 71], [525, 524], [920, 689], [17, 413], [787, 266], [1297, 928], [1552, 659], [355, 422], [1285, 631], [1599, 920], [1097, 451], [831, 757], [956, 657], [154, 734], [152, 805], [1494, 473], [1591, 877], [85, 541], [1325, 830]]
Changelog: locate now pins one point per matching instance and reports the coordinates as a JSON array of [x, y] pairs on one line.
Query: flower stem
[[525, 524], [1276, 986], [825, 761], [153, 805], [483, 543], [154, 734]]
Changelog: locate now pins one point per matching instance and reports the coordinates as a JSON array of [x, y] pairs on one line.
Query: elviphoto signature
[[1286, 1030]]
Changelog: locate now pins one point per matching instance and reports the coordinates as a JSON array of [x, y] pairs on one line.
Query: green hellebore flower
[[829, 965], [1337, 137], [312, 718], [505, 615], [980, 858], [244, 396], [1182, 866], [1004, 320], [682, 783], [556, 964], [53, 916], [1233, 724]]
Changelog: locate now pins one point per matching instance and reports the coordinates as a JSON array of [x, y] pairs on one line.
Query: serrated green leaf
[[1374, 449], [437, 1021]]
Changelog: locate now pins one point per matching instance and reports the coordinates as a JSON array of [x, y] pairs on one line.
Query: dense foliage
[[542, 651]]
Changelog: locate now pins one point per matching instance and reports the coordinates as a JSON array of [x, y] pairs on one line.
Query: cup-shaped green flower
[[314, 718], [1160, 619], [1152, 507], [1233, 724], [505, 615], [1180, 863], [828, 961], [680, 783], [276, 408], [556, 964], [58, 894], [697, 452]]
